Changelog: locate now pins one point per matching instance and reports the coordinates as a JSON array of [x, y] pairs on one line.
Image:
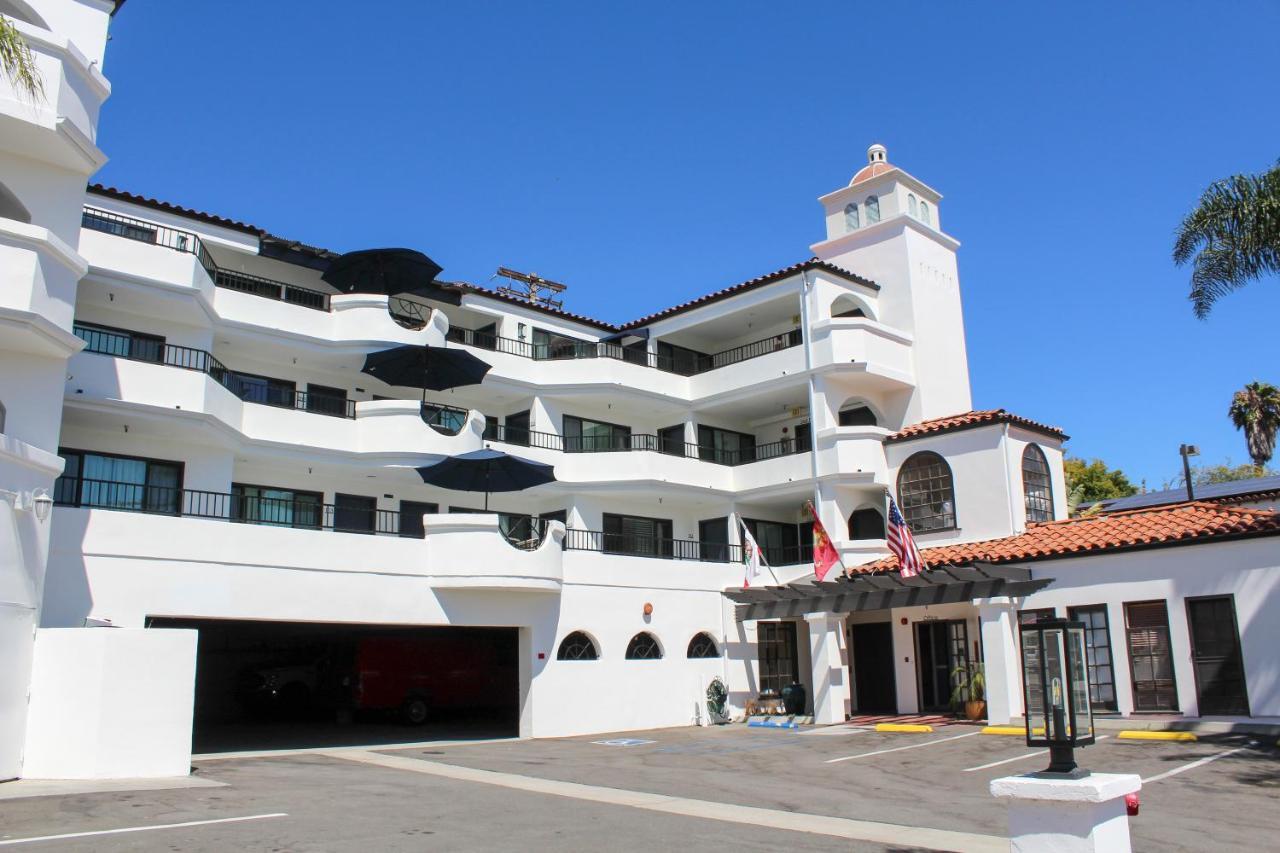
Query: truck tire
[[415, 710]]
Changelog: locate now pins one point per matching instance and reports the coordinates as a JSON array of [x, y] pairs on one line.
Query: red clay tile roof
[[157, 204], [969, 420], [872, 170], [751, 284], [1184, 523]]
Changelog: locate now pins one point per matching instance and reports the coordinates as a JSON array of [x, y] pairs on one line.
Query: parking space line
[[1192, 765], [901, 748], [1019, 758], [125, 829]]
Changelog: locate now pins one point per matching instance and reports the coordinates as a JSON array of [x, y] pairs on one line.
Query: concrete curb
[[1142, 734], [902, 727]]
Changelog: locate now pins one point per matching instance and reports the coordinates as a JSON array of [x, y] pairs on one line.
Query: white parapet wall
[[111, 703]]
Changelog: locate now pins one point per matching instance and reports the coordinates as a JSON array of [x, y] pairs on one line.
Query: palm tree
[[16, 60], [1233, 235], [1255, 408]]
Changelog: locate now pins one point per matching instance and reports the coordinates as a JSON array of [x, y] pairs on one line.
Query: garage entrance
[[292, 685]]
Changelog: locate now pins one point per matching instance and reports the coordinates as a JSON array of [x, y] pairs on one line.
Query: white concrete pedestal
[[1049, 814]]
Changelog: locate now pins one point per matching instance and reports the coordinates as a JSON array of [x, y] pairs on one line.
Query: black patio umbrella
[[426, 367], [389, 271], [487, 470]]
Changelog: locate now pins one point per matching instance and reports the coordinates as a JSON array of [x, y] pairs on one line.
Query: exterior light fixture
[[648, 609], [42, 504], [1055, 684], [1187, 451]]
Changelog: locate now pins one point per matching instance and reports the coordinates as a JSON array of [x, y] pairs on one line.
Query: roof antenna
[[530, 287]]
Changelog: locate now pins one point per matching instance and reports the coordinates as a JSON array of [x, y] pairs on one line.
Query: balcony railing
[[96, 219], [446, 420], [523, 532], [565, 351], [522, 437], [630, 545], [643, 442], [155, 351]]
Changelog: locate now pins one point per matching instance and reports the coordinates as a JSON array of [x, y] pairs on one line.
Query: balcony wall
[[874, 347], [38, 272], [853, 450], [125, 566], [358, 319], [134, 260]]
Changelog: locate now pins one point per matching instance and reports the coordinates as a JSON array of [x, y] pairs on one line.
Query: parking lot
[[819, 789]]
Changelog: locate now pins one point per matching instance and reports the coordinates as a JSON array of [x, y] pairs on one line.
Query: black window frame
[[699, 645], [303, 499], [780, 646], [1129, 634], [637, 651], [619, 437], [853, 416], [1035, 471], [924, 492], [76, 483], [142, 346], [858, 519], [326, 400], [616, 540], [582, 641], [355, 513], [1092, 633], [711, 449], [276, 392], [411, 513]]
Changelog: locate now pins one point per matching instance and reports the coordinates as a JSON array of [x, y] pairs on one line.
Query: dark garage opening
[[292, 685]]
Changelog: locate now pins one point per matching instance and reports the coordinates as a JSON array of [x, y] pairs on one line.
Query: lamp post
[[1055, 682], [1187, 451]]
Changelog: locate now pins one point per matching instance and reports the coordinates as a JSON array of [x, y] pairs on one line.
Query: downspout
[[1008, 479], [808, 366]]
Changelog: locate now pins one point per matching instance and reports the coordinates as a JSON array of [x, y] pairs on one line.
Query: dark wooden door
[[873, 679], [1150, 656], [1215, 655]]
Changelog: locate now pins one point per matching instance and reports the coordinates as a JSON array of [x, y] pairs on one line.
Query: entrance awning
[[940, 585]]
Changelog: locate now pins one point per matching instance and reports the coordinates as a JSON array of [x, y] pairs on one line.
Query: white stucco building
[[231, 473]]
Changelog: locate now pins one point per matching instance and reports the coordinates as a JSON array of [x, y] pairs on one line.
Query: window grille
[[926, 493]]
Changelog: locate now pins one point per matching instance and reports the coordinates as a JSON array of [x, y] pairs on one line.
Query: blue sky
[[647, 153]]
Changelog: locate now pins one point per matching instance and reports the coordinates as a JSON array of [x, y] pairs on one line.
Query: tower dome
[[877, 164]]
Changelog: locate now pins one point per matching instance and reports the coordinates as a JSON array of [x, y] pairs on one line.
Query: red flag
[[824, 553]]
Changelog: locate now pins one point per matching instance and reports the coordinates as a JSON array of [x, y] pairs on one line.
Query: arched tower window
[[1037, 485], [866, 523], [577, 646], [872, 205], [924, 212], [643, 646], [702, 646], [926, 493], [857, 416], [851, 216], [911, 204]]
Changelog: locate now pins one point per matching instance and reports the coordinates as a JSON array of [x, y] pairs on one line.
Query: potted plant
[[969, 688]]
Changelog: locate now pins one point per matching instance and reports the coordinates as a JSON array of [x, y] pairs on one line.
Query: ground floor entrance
[[941, 659], [871, 656], [275, 685]]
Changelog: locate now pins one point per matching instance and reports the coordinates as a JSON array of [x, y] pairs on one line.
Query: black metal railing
[[96, 219], [641, 442], [787, 555], [631, 545], [446, 420], [137, 347], [563, 351], [271, 289], [522, 437], [745, 455], [410, 314]]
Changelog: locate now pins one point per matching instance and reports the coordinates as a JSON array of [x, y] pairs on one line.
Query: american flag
[[902, 544]]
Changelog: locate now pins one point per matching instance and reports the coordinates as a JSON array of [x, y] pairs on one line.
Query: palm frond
[[17, 62]]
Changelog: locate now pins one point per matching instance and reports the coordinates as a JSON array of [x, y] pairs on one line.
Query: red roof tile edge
[[1190, 522], [968, 420]]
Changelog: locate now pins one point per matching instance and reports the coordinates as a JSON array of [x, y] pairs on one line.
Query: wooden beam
[[883, 599]]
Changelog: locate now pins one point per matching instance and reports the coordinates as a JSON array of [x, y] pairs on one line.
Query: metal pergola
[[883, 590]]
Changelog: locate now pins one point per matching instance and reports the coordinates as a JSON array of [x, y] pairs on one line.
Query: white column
[[829, 688], [1054, 812], [1002, 661]]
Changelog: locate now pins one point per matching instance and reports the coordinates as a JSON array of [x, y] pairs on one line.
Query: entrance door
[[1215, 654], [873, 681], [941, 647], [1150, 656]]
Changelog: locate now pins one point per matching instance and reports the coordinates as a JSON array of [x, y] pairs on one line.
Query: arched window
[[702, 646], [866, 523], [873, 209], [911, 203], [926, 493], [924, 212], [643, 646], [851, 216], [857, 416], [577, 646], [1037, 485], [847, 306]]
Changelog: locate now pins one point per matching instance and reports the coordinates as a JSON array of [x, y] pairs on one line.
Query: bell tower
[[886, 225]]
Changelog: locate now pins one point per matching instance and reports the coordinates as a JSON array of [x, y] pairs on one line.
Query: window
[[926, 493], [121, 342], [681, 360], [108, 224], [1036, 614], [1037, 487], [911, 204], [550, 345], [847, 306], [411, 513], [1097, 645], [447, 420], [637, 535], [671, 440], [326, 401], [263, 389], [779, 542], [702, 646], [354, 513], [643, 646], [713, 539], [924, 212], [275, 507], [851, 216], [866, 523], [577, 646], [515, 429], [725, 446], [873, 209], [779, 662], [857, 416], [582, 435], [1150, 656], [119, 482]]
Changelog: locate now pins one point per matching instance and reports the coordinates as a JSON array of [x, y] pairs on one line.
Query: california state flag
[[824, 553], [751, 557]]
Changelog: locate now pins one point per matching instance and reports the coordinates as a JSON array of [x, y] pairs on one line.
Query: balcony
[[642, 442]]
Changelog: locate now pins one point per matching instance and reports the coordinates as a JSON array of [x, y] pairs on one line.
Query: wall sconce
[[648, 609], [37, 502], [42, 503]]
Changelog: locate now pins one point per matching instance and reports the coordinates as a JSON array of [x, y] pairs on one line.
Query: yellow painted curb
[[1009, 730], [1134, 734], [902, 727]]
